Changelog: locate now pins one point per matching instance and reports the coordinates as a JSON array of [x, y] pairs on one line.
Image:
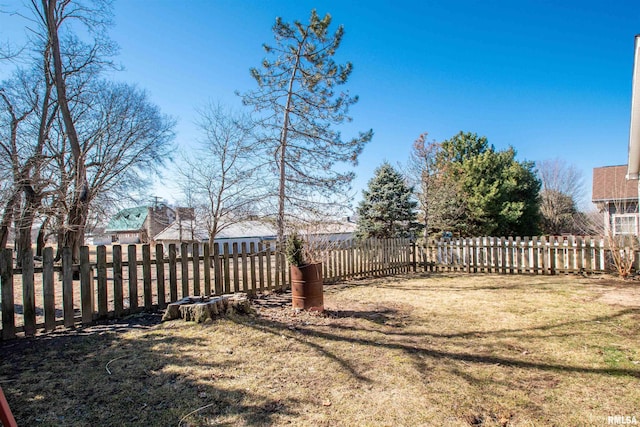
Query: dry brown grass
[[432, 350]]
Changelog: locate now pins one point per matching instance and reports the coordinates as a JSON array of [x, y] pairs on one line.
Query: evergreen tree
[[501, 194], [472, 189], [388, 209], [300, 104]]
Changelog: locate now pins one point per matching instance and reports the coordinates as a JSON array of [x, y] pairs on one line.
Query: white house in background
[[251, 231], [616, 189], [332, 231], [616, 196], [181, 232]]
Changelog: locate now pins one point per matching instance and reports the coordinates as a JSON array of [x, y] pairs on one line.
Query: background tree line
[[74, 144], [464, 187], [71, 141]]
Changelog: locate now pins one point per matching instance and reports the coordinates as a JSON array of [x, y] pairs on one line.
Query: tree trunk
[[76, 220], [24, 224], [59, 235], [73, 236], [41, 241], [7, 216], [283, 146]]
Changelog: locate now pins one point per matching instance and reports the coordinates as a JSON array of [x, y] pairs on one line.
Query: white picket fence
[[532, 255]]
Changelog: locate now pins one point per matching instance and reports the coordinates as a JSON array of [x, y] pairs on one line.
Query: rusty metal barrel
[[306, 287]]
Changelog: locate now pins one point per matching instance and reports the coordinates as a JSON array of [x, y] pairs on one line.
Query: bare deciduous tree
[[86, 139], [562, 189], [30, 112], [222, 177], [439, 201], [71, 70]]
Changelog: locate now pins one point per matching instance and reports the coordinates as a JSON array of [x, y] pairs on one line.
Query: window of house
[[624, 224]]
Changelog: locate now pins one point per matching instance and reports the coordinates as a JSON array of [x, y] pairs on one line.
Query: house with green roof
[[139, 224]]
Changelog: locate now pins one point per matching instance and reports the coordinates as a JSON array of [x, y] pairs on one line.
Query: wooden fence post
[[118, 296], [28, 293], [552, 255], [160, 275], [195, 253], [414, 254], [261, 265], [146, 276], [236, 267], [285, 271], [86, 286], [544, 250], [268, 259], [132, 267], [491, 254], [579, 254], [245, 271], [48, 290], [173, 273], [206, 266], [252, 261], [227, 273], [503, 255], [184, 269], [527, 254], [588, 260], [217, 270], [6, 285], [101, 253], [67, 288]]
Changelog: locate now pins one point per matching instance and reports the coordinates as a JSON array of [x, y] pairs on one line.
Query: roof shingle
[[610, 183]]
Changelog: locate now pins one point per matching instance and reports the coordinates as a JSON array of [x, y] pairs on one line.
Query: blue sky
[[550, 78]]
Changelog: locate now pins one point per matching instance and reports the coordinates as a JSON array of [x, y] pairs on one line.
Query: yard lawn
[[441, 349]]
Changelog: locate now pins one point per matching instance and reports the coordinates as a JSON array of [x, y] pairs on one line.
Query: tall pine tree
[[300, 108], [388, 209]]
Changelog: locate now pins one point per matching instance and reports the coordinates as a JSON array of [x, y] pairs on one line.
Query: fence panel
[[132, 268], [81, 293], [28, 293], [86, 286], [195, 253], [519, 255]]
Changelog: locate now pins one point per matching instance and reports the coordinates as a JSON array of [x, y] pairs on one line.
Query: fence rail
[[530, 255], [112, 283]]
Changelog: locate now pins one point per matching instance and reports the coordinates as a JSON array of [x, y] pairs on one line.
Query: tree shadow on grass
[[504, 332], [420, 349], [96, 376], [382, 316]]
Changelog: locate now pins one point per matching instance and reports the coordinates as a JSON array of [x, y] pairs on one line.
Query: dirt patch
[[276, 306], [619, 292], [628, 297]]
